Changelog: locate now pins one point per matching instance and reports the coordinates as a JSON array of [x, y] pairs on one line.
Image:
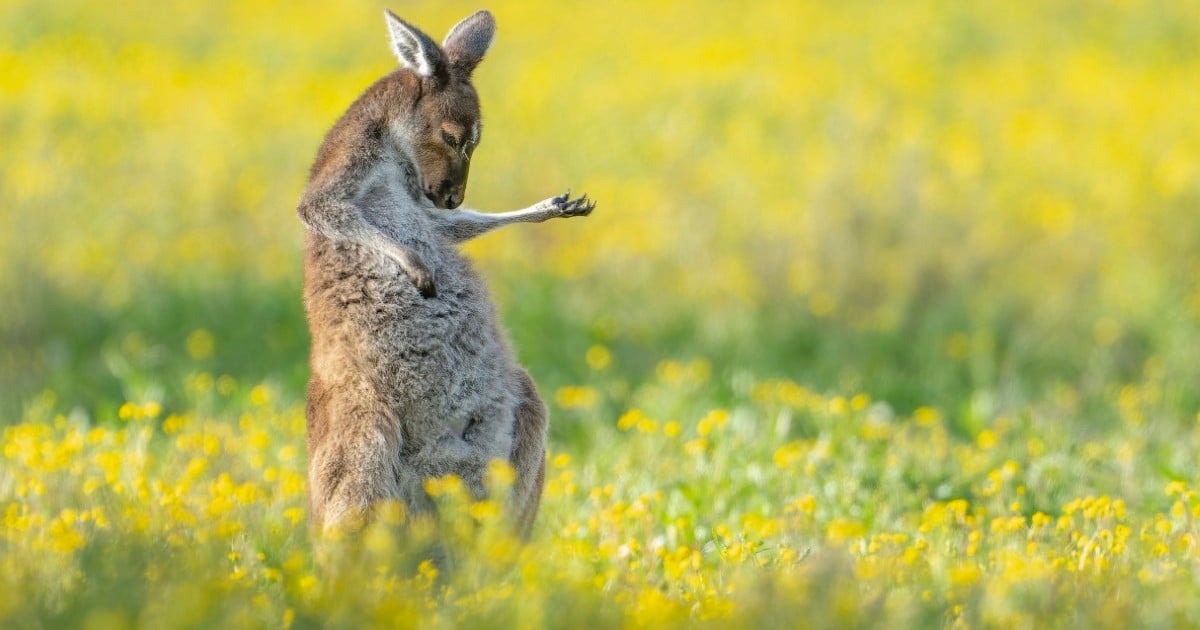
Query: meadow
[[889, 316]]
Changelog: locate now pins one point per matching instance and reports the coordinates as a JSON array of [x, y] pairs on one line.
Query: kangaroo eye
[[449, 139]]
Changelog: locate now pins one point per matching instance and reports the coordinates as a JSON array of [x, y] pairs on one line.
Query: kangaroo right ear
[[415, 50]]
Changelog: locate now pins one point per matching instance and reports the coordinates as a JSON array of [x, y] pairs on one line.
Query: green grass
[[888, 315]]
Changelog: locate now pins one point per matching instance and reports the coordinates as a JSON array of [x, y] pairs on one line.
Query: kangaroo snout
[[446, 195]]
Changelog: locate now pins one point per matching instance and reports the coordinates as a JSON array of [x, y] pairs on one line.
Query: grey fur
[[415, 50], [412, 377], [469, 40]]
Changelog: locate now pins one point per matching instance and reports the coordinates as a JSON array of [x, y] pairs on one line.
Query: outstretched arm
[[464, 225], [328, 208]]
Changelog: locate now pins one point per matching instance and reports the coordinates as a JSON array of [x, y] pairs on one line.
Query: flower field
[[889, 316]]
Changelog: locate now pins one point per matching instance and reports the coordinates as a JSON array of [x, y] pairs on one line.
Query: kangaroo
[[411, 376]]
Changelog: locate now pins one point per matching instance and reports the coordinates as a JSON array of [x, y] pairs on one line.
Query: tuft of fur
[[411, 375]]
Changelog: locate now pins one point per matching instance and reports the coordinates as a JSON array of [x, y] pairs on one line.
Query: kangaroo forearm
[[343, 221], [464, 225], [329, 206]]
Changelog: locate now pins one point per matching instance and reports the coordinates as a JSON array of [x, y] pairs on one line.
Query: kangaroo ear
[[415, 50], [468, 41]]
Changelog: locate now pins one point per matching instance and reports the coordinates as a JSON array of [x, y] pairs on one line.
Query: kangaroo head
[[444, 123]]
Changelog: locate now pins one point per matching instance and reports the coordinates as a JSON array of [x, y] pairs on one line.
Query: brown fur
[[412, 377]]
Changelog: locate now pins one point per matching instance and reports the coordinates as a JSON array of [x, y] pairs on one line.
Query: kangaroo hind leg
[[528, 455], [353, 466]]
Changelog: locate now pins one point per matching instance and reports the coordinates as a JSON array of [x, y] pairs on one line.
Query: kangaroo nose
[[454, 200]]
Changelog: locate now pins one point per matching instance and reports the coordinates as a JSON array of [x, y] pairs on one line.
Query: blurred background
[[977, 206]]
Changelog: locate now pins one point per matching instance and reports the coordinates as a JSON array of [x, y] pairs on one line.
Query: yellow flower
[[789, 454], [484, 510], [630, 419], [576, 397], [1175, 488], [449, 485], [260, 395], [964, 574], [927, 416], [294, 515], [501, 475], [842, 529], [598, 357], [200, 344], [986, 439], [646, 425]]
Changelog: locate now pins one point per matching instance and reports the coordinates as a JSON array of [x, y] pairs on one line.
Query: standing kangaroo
[[411, 376]]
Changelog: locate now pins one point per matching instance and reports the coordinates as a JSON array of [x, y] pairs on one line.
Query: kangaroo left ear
[[415, 50], [468, 41]]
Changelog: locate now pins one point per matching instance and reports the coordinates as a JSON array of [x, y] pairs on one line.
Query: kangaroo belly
[[439, 363]]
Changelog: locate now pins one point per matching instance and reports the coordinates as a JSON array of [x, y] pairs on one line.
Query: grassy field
[[889, 315]]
